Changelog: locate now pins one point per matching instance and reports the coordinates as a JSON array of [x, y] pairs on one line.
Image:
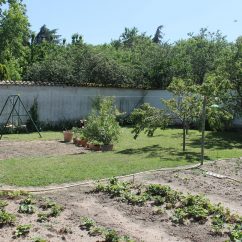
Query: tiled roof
[[59, 83], [31, 83]]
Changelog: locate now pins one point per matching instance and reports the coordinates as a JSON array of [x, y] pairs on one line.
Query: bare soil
[[11, 149], [137, 222]]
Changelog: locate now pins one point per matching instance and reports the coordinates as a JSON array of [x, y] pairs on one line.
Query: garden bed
[[36, 148], [137, 222]]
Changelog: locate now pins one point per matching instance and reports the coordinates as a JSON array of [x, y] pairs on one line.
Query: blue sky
[[99, 21]]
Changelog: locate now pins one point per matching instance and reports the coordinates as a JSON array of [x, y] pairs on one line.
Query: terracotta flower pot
[[107, 147], [81, 142], [94, 147], [68, 136]]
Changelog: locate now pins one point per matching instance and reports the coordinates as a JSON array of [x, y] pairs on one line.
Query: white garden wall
[[58, 103]]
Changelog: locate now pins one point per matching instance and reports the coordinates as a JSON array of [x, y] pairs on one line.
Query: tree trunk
[[187, 129], [184, 136]]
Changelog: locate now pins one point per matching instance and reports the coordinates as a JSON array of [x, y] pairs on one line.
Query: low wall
[[68, 103], [56, 103]]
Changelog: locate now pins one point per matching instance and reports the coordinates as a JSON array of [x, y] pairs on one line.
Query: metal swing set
[[15, 116]]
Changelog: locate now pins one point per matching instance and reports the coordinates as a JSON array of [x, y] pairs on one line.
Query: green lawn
[[162, 150]]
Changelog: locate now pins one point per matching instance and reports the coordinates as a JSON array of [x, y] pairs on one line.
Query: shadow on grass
[[157, 151], [220, 140]]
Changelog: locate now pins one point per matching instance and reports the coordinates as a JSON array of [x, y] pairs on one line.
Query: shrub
[[101, 126]]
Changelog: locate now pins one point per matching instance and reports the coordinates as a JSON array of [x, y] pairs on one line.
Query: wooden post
[[203, 128]]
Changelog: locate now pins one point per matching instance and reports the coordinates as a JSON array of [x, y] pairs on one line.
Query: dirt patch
[[12, 149], [226, 191], [139, 223]]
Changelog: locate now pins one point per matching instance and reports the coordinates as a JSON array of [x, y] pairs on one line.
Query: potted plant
[[67, 135], [101, 127], [79, 138]]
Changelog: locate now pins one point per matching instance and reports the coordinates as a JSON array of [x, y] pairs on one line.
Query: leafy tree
[[233, 68], [198, 56], [47, 35], [14, 36], [158, 35], [77, 39], [148, 119], [185, 104]]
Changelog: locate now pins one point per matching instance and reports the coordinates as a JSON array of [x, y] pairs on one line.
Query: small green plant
[[111, 236], [197, 213], [34, 115], [96, 230], [38, 239], [47, 203], [236, 234], [56, 210], [22, 230], [134, 199], [158, 200], [179, 216], [87, 223], [158, 190], [158, 211], [217, 225], [26, 206], [78, 133], [13, 194], [6, 218], [3, 204], [114, 187], [42, 217]]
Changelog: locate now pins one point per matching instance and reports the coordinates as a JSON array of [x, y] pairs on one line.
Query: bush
[[101, 126]]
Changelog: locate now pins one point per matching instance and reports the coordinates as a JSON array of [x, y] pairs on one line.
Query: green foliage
[[78, 133], [34, 115], [101, 126], [148, 119], [13, 194], [42, 217], [217, 225], [3, 204], [3, 73], [6, 218], [39, 239], [236, 233], [87, 223], [114, 188], [184, 208], [47, 35], [56, 210], [180, 216], [26, 206], [22, 230], [14, 34], [110, 235]]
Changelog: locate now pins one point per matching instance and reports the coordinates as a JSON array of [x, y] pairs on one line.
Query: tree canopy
[[134, 59]]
